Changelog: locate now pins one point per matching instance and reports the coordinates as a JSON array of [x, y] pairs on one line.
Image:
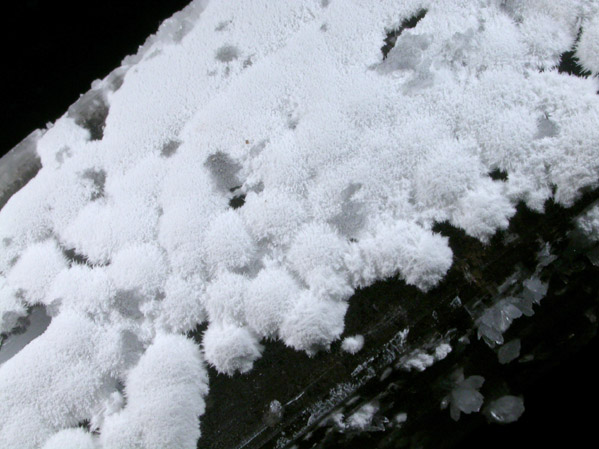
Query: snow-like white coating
[[313, 323], [76, 438], [420, 360], [442, 351], [588, 223], [346, 160], [35, 270], [361, 418], [59, 378], [231, 348], [164, 393], [353, 344], [587, 49], [11, 307]]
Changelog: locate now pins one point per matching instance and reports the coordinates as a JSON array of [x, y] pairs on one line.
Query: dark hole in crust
[[569, 62], [393, 34], [237, 201], [498, 175]]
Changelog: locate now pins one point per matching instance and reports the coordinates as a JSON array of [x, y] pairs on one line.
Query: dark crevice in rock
[[393, 34], [75, 258], [569, 62]]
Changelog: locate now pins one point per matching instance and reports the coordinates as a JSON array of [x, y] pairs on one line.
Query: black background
[[52, 50]]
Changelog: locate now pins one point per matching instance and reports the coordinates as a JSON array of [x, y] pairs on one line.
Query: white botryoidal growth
[[316, 247], [327, 283], [188, 207], [231, 348], [504, 137], [444, 178], [313, 324], [419, 256], [182, 308], [362, 418], [481, 212], [57, 379], [179, 234], [56, 146], [140, 268], [225, 298], [273, 215], [111, 405], [36, 269], [165, 392], [227, 243], [587, 49], [545, 39], [353, 344], [93, 232], [269, 298], [89, 290], [74, 438]]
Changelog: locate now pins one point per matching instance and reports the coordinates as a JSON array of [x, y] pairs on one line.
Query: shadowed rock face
[[18, 166]]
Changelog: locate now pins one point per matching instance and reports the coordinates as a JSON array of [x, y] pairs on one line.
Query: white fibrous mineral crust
[[345, 160], [352, 344], [588, 223]]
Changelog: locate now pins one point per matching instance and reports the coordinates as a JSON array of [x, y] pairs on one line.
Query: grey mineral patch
[[464, 397], [407, 53], [98, 179], [223, 170], [507, 409], [274, 414], [509, 351], [546, 128], [227, 53], [170, 148], [33, 326], [18, 166]]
